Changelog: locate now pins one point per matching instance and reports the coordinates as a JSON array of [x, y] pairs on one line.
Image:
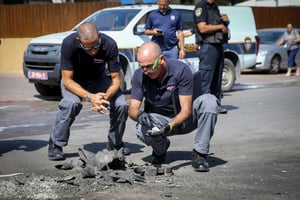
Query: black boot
[[55, 152], [199, 162]]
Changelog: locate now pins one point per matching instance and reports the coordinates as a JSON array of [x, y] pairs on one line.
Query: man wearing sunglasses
[[173, 105], [84, 57]]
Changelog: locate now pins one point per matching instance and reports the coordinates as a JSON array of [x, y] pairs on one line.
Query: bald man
[[173, 105], [84, 56]]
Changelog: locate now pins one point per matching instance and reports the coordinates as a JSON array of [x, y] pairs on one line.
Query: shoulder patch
[[198, 12]]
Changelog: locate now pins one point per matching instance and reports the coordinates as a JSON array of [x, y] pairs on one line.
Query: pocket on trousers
[[202, 51]]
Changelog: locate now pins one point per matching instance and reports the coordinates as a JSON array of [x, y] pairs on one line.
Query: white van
[[125, 24]]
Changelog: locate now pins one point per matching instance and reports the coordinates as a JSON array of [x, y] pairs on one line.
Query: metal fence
[[266, 17], [31, 20]]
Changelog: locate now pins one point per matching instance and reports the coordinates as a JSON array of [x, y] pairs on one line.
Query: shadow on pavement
[[173, 156], [48, 98], [95, 147], [24, 145], [230, 107]]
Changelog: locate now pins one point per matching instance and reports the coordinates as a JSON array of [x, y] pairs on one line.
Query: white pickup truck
[[125, 24]]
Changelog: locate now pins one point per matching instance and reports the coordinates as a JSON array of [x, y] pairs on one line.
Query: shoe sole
[[201, 170], [56, 158]]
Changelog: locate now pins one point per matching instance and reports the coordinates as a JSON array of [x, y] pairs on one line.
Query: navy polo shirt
[[84, 66], [159, 96], [169, 23]]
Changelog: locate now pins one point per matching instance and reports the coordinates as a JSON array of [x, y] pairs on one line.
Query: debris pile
[[112, 166]]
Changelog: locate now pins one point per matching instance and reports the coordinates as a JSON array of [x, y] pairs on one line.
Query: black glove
[[144, 118], [166, 128]]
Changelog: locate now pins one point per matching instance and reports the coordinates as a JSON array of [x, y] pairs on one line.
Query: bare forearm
[[134, 108], [181, 39], [211, 28], [180, 118], [75, 88], [112, 90]]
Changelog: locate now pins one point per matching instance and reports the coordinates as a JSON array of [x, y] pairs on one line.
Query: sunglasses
[[90, 48], [151, 67]]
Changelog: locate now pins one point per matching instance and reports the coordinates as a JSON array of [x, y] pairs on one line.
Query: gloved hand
[[144, 119], [166, 128]]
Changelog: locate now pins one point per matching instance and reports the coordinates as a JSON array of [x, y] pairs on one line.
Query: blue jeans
[[171, 53], [292, 55]]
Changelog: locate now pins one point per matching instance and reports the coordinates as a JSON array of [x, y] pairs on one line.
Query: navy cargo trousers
[[211, 64]]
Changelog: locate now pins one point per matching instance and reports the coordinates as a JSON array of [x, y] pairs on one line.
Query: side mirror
[[140, 29]]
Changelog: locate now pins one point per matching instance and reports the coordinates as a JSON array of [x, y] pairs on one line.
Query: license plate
[[38, 75]]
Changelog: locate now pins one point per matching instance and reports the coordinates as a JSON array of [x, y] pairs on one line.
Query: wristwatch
[[88, 98]]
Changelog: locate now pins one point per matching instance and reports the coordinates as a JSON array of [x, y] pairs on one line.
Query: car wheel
[[228, 76], [275, 64], [47, 90]]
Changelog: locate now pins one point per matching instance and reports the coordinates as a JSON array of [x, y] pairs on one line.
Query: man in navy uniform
[[84, 56], [173, 105]]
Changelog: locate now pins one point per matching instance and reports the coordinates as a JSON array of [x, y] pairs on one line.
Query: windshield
[[112, 20], [269, 37]]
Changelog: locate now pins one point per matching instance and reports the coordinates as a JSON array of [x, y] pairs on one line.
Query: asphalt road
[[254, 152]]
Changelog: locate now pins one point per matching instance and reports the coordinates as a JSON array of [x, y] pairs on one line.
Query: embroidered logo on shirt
[[98, 61], [172, 17], [198, 12], [171, 88]]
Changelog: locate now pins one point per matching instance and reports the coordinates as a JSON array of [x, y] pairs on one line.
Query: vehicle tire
[[275, 64], [47, 90], [228, 76]]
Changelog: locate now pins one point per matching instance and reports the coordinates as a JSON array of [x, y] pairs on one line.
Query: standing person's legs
[[292, 55], [68, 108], [216, 85], [171, 53], [291, 61], [207, 64]]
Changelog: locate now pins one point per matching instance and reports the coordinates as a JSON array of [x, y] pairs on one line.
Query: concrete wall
[[11, 54]]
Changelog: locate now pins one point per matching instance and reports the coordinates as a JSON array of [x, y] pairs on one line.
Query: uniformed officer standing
[[166, 86], [166, 27], [84, 55], [211, 33]]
